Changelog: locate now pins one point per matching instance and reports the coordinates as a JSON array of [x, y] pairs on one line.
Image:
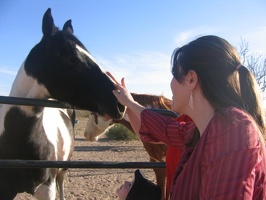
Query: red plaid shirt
[[226, 163]]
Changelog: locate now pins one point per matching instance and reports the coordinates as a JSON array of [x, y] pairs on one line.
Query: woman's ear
[[193, 79]]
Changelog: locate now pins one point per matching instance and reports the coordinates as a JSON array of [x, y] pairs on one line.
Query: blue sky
[[130, 38]]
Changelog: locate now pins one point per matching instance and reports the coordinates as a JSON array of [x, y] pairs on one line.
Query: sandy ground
[[94, 184]]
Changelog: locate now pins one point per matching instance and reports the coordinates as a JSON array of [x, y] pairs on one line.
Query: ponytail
[[251, 97]]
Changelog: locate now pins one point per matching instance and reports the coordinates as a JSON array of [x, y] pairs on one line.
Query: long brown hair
[[223, 85]]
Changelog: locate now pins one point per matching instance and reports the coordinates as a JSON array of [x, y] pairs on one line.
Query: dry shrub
[[120, 132]]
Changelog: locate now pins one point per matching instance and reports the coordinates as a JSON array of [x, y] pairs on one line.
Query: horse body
[[58, 67], [96, 126]]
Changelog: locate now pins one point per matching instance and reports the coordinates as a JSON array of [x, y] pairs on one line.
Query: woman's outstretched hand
[[134, 109], [121, 92]]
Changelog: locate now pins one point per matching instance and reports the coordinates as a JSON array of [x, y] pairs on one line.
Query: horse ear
[[68, 27], [48, 27]]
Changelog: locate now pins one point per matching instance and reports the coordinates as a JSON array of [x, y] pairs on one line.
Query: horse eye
[[73, 59]]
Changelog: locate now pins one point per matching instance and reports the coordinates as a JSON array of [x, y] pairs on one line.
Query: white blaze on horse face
[[55, 128], [81, 50]]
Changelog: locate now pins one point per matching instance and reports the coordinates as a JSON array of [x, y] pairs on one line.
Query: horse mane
[[166, 102], [153, 101]]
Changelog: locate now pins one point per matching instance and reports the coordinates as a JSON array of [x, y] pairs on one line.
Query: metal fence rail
[[77, 164], [57, 104], [33, 102]]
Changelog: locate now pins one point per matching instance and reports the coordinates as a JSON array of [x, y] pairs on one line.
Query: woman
[[224, 157]]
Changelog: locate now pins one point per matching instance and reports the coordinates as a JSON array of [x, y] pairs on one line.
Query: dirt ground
[[100, 184]]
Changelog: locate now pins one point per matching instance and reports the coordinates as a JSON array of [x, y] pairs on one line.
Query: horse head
[[62, 65], [96, 126]]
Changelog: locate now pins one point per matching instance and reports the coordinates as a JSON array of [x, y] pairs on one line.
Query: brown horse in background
[[157, 152]]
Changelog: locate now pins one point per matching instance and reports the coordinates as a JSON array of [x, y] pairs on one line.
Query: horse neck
[[27, 87]]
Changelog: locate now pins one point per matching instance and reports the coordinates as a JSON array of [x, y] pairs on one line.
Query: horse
[[96, 126], [58, 67]]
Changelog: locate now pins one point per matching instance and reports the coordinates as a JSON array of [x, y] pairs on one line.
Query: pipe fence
[[70, 164], [78, 164]]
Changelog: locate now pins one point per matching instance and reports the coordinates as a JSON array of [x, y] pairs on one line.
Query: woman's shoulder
[[230, 121], [233, 115], [234, 110], [233, 122]]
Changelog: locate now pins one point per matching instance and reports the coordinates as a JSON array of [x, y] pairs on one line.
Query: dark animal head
[[63, 65]]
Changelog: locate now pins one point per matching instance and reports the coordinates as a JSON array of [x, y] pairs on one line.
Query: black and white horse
[[58, 67]]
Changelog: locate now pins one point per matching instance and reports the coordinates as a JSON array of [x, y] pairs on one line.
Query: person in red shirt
[[173, 155], [224, 155], [172, 158]]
